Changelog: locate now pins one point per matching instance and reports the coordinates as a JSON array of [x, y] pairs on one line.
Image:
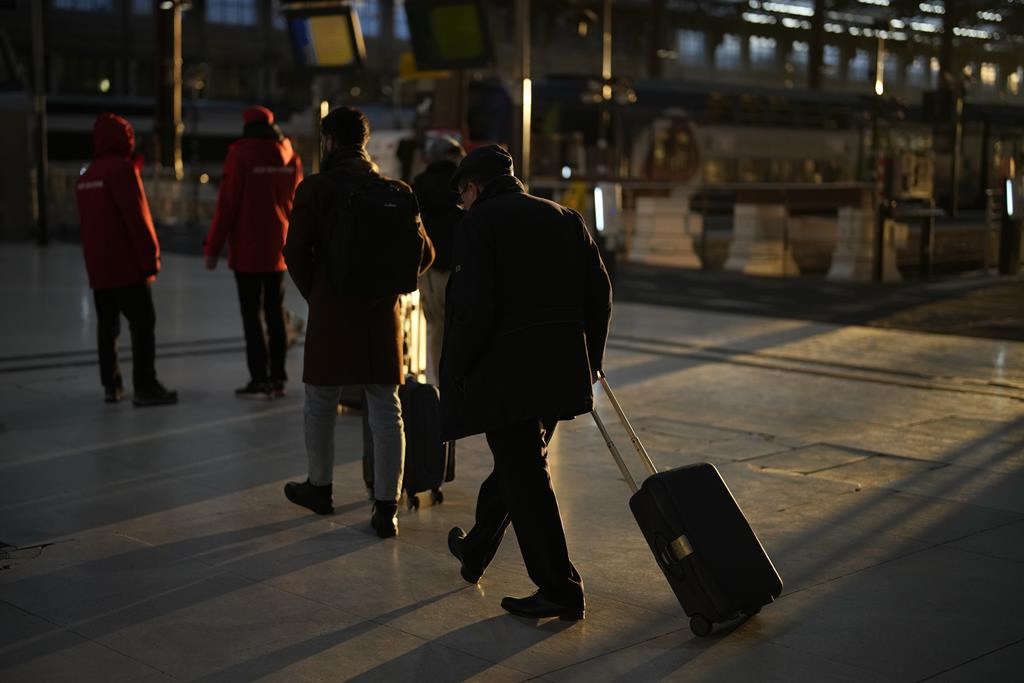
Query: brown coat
[[349, 340]]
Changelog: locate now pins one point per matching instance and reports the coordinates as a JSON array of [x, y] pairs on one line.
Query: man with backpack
[[355, 243], [255, 198]]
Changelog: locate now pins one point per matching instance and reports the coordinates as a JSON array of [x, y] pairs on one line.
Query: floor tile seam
[[166, 433], [610, 652], [391, 627], [860, 570], [728, 353], [72, 629], [919, 385], [92, 351], [173, 473], [125, 359], [926, 547], [1017, 516], [971, 660], [774, 641], [436, 642], [939, 465]]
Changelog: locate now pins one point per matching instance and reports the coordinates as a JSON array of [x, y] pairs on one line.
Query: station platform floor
[[882, 468]]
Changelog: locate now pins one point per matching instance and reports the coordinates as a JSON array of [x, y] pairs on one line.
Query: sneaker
[[319, 499], [157, 395], [113, 394], [254, 391], [277, 390], [385, 518]]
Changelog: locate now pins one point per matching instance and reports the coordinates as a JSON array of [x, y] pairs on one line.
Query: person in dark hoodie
[[440, 210], [254, 203], [122, 258]]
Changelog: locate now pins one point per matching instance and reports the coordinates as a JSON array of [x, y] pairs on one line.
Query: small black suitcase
[[713, 560], [429, 462]]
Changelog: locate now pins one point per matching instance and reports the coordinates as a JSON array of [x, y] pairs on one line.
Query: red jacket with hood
[[118, 238], [255, 198]]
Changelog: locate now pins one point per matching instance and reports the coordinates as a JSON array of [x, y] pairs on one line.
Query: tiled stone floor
[[882, 469]]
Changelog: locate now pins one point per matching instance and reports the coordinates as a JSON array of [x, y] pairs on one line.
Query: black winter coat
[[349, 339], [439, 208], [528, 307]]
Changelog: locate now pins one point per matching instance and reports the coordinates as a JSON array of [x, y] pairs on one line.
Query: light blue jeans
[[384, 413]]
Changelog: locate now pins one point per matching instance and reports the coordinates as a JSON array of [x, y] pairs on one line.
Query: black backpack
[[374, 245]]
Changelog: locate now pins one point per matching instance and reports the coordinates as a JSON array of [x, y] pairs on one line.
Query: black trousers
[[135, 302], [519, 491], [261, 298]]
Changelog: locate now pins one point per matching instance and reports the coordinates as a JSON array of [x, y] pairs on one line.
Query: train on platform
[[660, 131]]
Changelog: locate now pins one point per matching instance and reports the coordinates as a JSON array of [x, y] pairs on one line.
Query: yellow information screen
[[327, 39]]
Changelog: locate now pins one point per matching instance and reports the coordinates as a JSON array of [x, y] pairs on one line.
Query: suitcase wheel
[[436, 497], [700, 625], [413, 502]]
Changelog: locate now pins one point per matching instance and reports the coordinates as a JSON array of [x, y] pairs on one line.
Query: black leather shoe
[[538, 607], [319, 499], [156, 395], [385, 518], [455, 538]]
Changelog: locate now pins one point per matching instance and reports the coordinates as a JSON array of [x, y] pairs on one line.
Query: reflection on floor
[[882, 470]]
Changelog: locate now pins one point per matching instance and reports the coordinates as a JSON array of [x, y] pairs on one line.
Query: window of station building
[[729, 53], [369, 16], [859, 67], [918, 72], [690, 47], [277, 19], [799, 56], [1013, 82], [142, 6], [830, 60], [85, 5], [234, 12], [988, 74], [82, 75], [401, 22], [762, 52]]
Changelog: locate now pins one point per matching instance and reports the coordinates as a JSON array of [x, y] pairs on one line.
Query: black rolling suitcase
[[703, 543], [429, 462]]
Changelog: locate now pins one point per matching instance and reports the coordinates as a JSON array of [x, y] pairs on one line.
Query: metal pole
[[179, 126], [527, 90], [606, 81], [39, 109], [817, 46]]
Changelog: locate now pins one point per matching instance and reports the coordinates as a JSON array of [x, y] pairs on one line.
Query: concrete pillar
[[664, 233], [760, 245], [854, 256]]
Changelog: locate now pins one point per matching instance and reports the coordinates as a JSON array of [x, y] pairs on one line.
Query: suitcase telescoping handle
[[640, 450]]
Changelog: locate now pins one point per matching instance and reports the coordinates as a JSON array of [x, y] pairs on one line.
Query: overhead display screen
[[326, 39], [449, 34]]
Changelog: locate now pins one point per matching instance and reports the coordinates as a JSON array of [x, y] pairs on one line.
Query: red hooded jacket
[[254, 202], [118, 238]]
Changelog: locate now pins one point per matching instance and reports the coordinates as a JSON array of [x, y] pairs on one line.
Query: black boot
[[319, 499], [385, 518], [456, 545]]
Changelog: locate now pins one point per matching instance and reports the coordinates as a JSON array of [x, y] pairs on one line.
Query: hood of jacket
[[283, 146], [112, 136]]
